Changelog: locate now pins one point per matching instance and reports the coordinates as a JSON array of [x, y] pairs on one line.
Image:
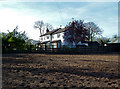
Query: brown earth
[[53, 70]]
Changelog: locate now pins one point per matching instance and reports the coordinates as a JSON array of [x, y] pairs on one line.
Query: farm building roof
[[55, 31], [49, 33]]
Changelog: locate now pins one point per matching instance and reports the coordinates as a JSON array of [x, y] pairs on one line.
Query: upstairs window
[[47, 37], [58, 35], [41, 38], [52, 37]]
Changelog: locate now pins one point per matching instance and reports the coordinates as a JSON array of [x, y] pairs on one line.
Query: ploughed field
[[53, 70]]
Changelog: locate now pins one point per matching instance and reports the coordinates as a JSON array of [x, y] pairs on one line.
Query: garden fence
[[80, 50]]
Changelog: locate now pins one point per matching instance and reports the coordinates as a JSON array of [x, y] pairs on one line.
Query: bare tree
[[103, 40], [39, 25], [93, 29], [49, 26]]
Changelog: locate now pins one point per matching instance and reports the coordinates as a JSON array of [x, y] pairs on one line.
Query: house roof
[[44, 42], [115, 40], [55, 31], [49, 33], [60, 30], [55, 41]]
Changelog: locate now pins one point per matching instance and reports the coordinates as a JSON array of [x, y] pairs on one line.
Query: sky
[[24, 15]]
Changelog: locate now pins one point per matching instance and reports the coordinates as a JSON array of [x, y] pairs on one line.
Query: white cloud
[[9, 19], [25, 17]]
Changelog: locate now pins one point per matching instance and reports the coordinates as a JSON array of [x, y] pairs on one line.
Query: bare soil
[[53, 70]]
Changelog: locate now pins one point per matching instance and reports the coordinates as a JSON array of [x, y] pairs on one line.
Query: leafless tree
[[49, 26], [39, 25], [93, 29], [103, 40]]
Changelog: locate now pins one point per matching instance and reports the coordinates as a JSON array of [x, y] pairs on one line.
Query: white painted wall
[[56, 38], [44, 38], [63, 42]]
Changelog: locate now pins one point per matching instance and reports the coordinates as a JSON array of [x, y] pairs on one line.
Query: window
[[41, 38], [53, 37], [54, 45], [58, 35], [44, 38], [47, 37]]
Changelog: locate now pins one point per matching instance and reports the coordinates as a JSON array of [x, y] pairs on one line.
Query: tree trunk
[[91, 39], [75, 45], [40, 31]]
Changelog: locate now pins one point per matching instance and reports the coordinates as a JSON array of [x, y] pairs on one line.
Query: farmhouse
[[55, 39]]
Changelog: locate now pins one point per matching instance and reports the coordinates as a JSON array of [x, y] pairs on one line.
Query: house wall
[[44, 38], [58, 38], [63, 42], [55, 37]]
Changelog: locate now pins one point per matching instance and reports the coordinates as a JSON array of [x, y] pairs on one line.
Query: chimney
[[72, 23], [60, 26], [47, 30]]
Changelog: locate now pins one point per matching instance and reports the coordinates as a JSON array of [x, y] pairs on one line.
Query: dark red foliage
[[76, 32]]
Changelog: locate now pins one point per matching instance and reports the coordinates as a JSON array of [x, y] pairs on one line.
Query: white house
[[55, 39]]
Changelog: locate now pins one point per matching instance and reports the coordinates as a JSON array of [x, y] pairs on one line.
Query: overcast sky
[[24, 14]]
